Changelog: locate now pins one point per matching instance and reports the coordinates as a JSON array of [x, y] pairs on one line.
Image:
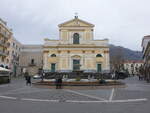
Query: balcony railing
[[8, 44], [3, 53], [1, 42], [5, 34], [7, 52], [5, 44]]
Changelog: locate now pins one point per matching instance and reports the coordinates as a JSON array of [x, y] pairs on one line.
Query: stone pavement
[[19, 98]]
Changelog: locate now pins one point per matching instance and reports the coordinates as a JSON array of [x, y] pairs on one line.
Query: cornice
[[75, 46]]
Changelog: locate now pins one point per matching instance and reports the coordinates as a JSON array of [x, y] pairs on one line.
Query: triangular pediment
[[76, 22]]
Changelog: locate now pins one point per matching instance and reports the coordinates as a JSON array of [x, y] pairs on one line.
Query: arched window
[[53, 55], [98, 55], [75, 38]]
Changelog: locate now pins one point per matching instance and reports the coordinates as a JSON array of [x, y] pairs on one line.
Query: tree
[[117, 61]]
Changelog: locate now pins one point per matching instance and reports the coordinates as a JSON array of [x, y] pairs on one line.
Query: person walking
[[60, 83], [56, 83], [42, 76], [140, 77], [27, 78]]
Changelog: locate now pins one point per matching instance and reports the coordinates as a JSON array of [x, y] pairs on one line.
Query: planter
[[4, 79], [82, 83]]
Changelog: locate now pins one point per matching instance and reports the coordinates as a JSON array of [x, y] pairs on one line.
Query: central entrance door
[[53, 67], [99, 67], [76, 65]]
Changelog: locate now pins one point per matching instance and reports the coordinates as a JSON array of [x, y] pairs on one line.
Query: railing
[[4, 34], [2, 43], [3, 53], [6, 53], [8, 44], [70, 75]]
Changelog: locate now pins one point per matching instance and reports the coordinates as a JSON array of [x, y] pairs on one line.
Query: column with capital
[[45, 61], [107, 59]]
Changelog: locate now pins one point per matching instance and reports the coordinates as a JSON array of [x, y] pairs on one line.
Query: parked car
[[121, 75], [5, 76], [37, 77]]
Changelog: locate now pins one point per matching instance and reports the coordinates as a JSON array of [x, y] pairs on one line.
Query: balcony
[[4, 34], [3, 53], [1, 42], [7, 52], [4, 44], [8, 44]]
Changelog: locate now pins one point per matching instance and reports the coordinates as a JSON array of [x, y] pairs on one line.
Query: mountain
[[128, 54]]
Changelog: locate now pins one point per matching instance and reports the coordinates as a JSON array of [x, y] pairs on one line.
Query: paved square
[[101, 100]]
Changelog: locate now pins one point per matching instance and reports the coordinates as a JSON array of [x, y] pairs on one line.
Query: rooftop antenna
[[76, 15]]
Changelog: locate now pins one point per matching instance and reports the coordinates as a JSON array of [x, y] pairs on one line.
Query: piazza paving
[[134, 93]]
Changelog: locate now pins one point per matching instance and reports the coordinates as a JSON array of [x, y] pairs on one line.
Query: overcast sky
[[123, 22]]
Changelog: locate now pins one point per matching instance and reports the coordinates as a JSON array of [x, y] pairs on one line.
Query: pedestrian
[[56, 82], [140, 77], [27, 78], [42, 76], [116, 75], [60, 83]]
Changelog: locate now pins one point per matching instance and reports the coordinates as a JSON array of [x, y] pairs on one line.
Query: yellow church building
[[76, 49]]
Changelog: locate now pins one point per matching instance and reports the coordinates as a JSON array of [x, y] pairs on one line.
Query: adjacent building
[[133, 66], [15, 52], [31, 59], [5, 36], [9, 49], [146, 56], [76, 49], [145, 44]]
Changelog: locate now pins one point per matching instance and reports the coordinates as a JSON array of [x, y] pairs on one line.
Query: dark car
[[121, 75]]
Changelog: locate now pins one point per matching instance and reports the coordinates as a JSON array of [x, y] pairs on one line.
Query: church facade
[[76, 49]]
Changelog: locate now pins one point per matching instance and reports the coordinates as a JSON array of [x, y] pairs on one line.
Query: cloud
[[123, 22]]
